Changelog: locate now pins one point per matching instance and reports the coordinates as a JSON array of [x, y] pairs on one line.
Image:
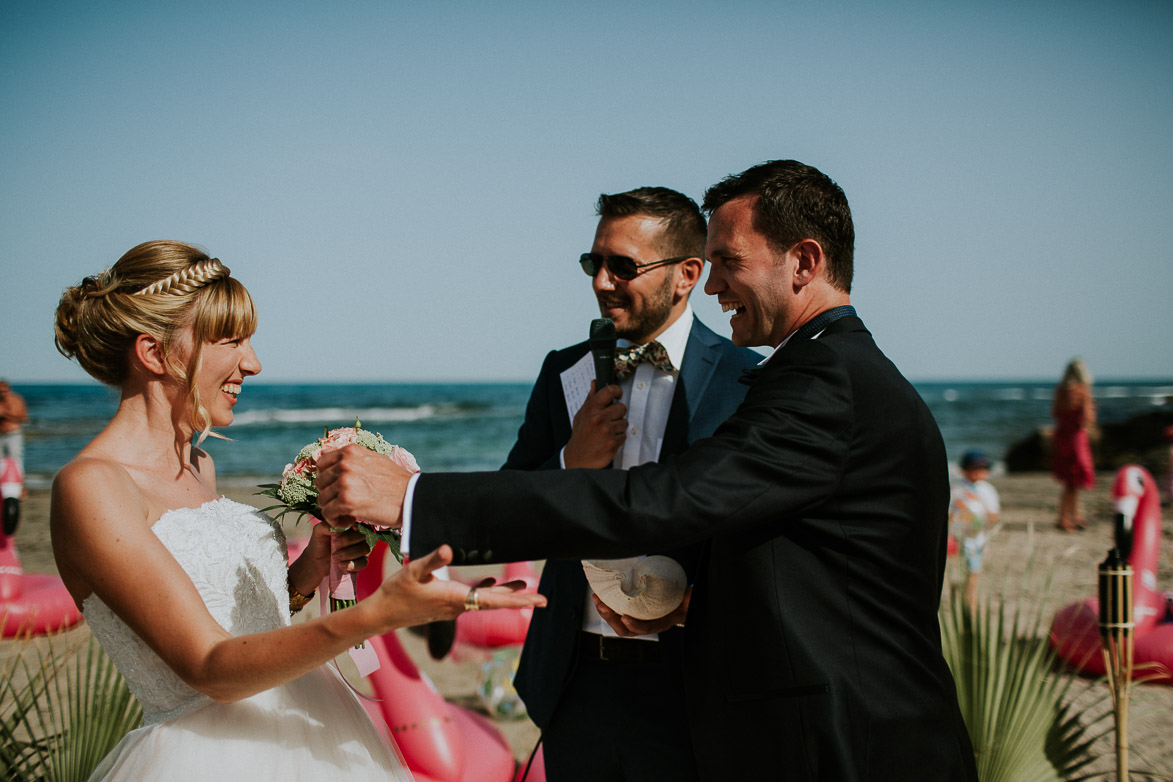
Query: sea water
[[472, 426]]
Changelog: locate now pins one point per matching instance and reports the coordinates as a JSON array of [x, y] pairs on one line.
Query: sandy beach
[[1023, 551]]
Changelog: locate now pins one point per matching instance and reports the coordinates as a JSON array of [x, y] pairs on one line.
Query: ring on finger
[[470, 601]]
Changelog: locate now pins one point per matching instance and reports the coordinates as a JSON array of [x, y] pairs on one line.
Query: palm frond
[[21, 688], [73, 708], [1017, 707]]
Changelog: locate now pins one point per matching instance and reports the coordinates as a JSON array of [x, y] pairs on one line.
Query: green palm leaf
[[20, 701], [72, 709], [1017, 707]]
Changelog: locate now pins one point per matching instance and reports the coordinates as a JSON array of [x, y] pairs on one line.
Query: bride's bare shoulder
[[90, 487], [96, 510], [90, 467]]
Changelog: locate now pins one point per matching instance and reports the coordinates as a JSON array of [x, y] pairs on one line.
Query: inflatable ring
[[1075, 629]]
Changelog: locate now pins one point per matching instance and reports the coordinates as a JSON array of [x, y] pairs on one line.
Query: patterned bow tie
[[626, 359]]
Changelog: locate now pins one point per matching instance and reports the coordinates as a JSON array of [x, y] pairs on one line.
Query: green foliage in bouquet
[[61, 713]]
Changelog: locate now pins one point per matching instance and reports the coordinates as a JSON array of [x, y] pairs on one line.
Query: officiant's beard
[[646, 316]]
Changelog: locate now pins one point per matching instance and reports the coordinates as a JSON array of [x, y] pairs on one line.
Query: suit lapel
[[700, 360]]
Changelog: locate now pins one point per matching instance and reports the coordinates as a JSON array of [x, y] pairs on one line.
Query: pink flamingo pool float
[[1075, 629], [440, 742], [30, 603]]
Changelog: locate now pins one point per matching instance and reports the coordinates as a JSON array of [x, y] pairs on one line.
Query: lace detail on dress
[[236, 557]]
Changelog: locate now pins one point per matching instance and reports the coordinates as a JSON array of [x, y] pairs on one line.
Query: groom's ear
[[149, 353]]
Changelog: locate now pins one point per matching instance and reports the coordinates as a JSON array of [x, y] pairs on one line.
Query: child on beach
[[973, 515]]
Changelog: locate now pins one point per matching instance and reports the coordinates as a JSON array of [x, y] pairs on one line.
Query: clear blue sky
[[405, 186]]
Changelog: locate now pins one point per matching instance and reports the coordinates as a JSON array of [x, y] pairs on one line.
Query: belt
[[617, 650]]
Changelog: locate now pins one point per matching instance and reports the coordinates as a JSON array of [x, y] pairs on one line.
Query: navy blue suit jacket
[[706, 393]]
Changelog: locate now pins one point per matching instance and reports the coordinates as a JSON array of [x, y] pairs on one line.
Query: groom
[[813, 647], [575, 670]]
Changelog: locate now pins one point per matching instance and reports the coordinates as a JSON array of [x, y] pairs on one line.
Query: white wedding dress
[[312, 728]]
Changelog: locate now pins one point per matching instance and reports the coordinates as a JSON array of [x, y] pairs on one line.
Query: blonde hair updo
[[157, 288]]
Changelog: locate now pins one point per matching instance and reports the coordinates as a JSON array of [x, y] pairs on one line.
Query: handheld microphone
[[603, 349]]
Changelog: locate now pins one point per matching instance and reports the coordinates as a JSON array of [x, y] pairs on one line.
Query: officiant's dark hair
[[684, 226], [795, 202]]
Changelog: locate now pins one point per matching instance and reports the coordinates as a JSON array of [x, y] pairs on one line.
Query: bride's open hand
[[415, 596]]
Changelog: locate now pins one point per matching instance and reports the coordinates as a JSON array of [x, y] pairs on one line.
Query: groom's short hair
[[683, 232], [794, 202]]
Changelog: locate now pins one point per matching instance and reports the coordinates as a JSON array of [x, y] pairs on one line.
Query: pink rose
[[339, 438], [404, 459], [300, 467]]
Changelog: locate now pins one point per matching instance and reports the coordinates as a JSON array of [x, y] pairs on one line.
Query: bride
[[188, 591]]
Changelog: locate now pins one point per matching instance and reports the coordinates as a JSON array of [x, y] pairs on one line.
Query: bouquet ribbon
[[340, 584]]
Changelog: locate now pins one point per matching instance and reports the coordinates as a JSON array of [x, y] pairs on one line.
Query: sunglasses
[[622, 267]]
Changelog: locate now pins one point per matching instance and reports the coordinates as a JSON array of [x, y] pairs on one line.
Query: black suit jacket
[[813, 646], [705, 394]]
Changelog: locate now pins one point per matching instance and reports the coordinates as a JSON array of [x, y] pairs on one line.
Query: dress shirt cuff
[[562, 458], [405, 532]]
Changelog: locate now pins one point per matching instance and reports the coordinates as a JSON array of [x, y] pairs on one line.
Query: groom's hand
[[599, 429], [354, 483], [629, 627]]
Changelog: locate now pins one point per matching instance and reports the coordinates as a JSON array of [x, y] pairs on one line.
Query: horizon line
[[1106, 380]]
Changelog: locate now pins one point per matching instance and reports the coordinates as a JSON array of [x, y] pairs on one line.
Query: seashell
[[641, 587]]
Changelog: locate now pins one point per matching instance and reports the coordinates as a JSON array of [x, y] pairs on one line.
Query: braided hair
[[157, 288]]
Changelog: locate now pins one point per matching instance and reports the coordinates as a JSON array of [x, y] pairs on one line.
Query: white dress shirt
[[647, 392]]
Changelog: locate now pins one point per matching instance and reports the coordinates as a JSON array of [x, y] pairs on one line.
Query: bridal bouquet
[[298, 493]]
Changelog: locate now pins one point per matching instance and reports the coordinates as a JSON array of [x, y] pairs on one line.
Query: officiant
[[812, 642], [676, 381]]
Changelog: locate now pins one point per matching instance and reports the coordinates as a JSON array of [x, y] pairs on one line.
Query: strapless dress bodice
[[236, 557]]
